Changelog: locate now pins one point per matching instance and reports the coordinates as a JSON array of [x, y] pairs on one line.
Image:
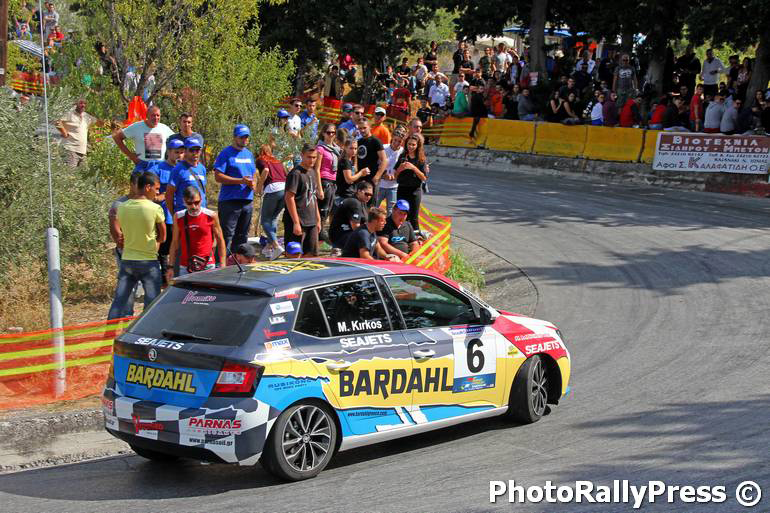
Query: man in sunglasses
[[347, 217], [188, 171], [379, 130], [351, 125]]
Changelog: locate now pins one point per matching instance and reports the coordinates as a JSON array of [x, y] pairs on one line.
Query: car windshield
[[224, 317]]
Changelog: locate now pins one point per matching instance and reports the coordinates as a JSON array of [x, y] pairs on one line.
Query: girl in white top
[[388, 187]]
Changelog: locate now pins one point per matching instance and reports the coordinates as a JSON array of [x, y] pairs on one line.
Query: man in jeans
[[301, 218], [143, 226], [235, 170]]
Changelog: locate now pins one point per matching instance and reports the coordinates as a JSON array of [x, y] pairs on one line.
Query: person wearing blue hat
[[398, 237], [188, 171], [235, 169], [293, 250], [174, 151], [282, 124]]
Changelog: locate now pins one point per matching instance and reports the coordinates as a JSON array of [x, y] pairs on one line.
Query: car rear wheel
[[301, 442], [529, 392], [153, 455]]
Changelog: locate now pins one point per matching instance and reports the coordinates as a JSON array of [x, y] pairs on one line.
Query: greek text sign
[[712, 153]]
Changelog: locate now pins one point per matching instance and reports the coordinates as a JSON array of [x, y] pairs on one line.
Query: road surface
[[663, 298]]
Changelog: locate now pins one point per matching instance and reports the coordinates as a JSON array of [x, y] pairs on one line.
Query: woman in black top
[[410, 174], [554, 113], [347, 170]]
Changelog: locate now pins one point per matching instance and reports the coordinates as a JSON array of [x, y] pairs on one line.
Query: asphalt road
[[662, 296]]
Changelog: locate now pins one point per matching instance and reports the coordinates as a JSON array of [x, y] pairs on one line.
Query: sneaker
[[276, 253], [336, 252], [268, 252]]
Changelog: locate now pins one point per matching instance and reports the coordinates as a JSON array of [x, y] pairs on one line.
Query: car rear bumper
[[226, 430]]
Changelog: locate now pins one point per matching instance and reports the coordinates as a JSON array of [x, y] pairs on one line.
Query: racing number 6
[[472, 354]]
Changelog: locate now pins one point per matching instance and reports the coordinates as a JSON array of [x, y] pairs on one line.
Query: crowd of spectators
[[27, 24], [604, 90]]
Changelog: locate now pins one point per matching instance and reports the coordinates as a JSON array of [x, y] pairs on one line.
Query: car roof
[[299, 273]]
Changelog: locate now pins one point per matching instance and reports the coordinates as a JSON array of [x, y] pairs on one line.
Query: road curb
[[33, 440]]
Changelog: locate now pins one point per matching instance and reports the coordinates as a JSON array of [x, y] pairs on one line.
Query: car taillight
[[237, 379]]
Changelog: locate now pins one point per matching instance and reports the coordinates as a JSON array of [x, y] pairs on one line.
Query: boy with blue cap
[[235, 169], [398, 237], [188, 171], [293, 250]]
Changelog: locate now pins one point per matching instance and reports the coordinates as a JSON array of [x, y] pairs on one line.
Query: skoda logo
[[152, 354]]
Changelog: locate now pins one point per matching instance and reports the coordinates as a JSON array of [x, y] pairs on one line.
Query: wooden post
[[4, 42]]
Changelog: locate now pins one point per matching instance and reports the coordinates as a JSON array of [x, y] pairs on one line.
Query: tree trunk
[[626, 41], [760, 74], [657, 45], [537, 37], [368, 77], [299, 78]]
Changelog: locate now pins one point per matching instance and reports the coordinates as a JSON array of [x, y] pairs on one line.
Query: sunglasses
[[192, 203], [331, 132], [379, 114], [298, 105], [193, 150]]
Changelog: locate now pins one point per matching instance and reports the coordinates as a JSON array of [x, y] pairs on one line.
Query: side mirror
[[485, 317]]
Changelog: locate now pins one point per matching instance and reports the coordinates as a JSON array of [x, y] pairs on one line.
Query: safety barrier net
[[30, 365]]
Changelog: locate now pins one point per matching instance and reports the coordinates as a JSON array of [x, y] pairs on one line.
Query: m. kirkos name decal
[[343, 326]]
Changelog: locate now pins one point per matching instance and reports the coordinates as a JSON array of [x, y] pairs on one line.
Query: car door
[[455, 358], [362, 357]]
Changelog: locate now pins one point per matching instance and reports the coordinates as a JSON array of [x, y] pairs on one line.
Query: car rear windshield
[[227, 317]]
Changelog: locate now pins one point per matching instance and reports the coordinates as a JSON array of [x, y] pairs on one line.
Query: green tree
[[741, 26]]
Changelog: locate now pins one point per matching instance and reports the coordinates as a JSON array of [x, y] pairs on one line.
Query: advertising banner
[[712, 153]]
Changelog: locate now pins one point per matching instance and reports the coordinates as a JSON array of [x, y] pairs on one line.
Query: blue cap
[[293, 248], [347, 107], [282, 113], [193, 142], [173, 143], [241, 131], [402, 204]]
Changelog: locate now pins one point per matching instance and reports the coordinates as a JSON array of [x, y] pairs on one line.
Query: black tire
[[301, 443], [153, 455], [529, 392]]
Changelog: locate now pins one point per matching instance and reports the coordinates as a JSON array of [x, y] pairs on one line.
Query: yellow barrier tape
[[67, 333], [54, 366], [435, 247], [30, 353], [444, 248], [427, 244]]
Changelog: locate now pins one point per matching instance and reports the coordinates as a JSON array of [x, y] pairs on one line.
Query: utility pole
[[3, 40]]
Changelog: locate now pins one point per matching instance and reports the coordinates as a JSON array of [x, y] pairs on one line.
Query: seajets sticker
[[167, 344], [541, 348], [365, 340], [153, 377], [387, 382]]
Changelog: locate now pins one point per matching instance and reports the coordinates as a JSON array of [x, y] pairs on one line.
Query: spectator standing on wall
[[711, 72], [301, 219], [74, 129], [271, 186], [624, 82], [235, 169], [149, 137], [696, 109], [410, 175], [188, 171], [714, 113], [477, 104], [143, 227], [196, 231]]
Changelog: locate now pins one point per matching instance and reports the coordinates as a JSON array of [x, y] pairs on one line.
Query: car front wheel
[[301, 442], [529, 392]]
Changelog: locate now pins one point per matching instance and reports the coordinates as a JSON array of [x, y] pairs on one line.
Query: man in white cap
[[379, 130], [235, 169]]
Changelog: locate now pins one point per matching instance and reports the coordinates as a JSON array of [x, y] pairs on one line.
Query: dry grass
[[87, 293]]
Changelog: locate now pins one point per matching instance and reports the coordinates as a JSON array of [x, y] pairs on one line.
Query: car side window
[[427, 303], [310, 319], [354, 308]]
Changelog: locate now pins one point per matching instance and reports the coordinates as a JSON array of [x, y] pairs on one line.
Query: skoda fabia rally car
[[287, 362]]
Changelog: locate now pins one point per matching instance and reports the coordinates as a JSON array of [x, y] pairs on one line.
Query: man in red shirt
[[195, 231], [696, 109]]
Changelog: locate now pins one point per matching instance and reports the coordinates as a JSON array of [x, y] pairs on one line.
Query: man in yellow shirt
[[144, 227]]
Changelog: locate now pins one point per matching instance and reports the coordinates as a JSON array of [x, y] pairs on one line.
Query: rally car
[[287, 362]]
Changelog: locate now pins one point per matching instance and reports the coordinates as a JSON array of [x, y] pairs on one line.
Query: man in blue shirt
[[235, 169], [188, 171], [309, 118], [174, 151]]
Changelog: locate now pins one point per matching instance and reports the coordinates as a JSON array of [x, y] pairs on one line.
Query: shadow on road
[[134, 478]]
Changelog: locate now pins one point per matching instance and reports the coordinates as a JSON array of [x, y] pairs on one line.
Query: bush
[[80, 200]]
